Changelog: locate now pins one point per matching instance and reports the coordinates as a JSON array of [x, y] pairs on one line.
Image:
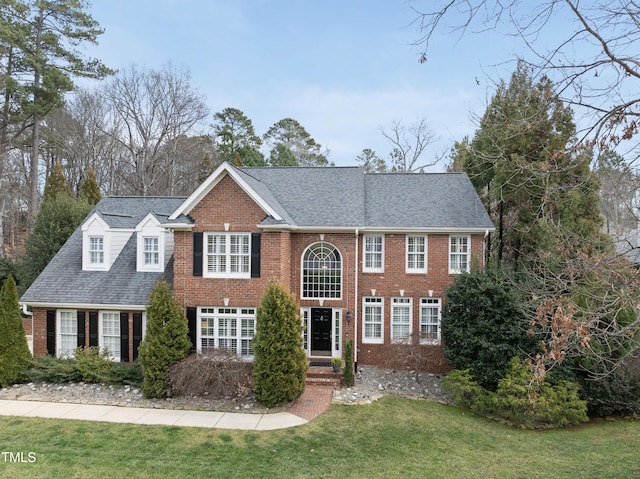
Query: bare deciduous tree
[[153, 109], [408, 146], [592, 60]]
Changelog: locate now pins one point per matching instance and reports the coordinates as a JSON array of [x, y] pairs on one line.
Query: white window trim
[[338, 291], [426, 255], [217, 312], [467, 253], [378, 302], [365, 268], [98, 252], [431, 302], [101, 335], [152, 253], [59, 352], [401, 303], [227, 254]]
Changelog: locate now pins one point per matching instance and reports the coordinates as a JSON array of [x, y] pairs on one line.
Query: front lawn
[[390, 438]]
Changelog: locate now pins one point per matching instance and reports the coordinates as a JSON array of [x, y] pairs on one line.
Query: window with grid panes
[[400, 319], [430, 312], [321, 272], [372, 318], [67, 333]]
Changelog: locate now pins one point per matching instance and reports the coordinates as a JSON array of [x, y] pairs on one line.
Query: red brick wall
[[281, 255], [415, 285], [40, 331]]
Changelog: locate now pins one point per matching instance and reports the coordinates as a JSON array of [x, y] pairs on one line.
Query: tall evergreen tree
[[166, 340], [280, 363], [295, 138], [236, 138], [58, 218], [44, 58], [525, 168], [14, 350], [56, 184], [89, 190]]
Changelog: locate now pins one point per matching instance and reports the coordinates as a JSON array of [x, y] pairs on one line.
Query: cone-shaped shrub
[[166, 340], [280, 363], [14, 350]]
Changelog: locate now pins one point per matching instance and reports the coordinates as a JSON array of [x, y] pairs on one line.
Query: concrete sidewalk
[[166, 417]]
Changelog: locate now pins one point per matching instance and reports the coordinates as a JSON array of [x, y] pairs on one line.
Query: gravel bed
[[370, 384]]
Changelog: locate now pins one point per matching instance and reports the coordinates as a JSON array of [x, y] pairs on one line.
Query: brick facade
[[229, 207]]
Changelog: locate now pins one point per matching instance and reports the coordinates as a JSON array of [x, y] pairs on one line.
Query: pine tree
[[90, 191], [166, 340], [56, 184], [280, 363], [14, 350]]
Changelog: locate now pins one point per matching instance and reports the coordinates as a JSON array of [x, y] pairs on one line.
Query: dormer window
[[154, 245], [96, 250], [151, 251]]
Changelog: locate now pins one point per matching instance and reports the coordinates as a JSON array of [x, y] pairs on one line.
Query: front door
[[320, 331]]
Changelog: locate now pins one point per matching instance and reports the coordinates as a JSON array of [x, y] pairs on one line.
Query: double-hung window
[[416, 254], [373, 323], [232, 329], [228, 254], [96, 250], [373, 254], [110, 333], [400, 319], [67, 333], [459, 254], [151, 251], [430, 313]]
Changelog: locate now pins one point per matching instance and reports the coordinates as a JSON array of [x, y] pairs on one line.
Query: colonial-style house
[[368, 257]]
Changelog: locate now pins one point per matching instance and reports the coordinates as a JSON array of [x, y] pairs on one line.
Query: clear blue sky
[[342, 68]]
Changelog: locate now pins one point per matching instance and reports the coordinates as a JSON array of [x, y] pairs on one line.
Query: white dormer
[[95, 244], [101, 244], [154, 244]]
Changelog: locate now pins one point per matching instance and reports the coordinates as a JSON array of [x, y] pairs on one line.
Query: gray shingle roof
[[64, 282], [344, 197], [348, 197]]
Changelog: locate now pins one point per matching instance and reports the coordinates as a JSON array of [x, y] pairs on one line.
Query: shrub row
[[91, 365], [518, 399]]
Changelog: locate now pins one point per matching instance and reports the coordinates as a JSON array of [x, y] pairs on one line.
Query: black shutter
[[124, 337], [192, 320], [93, 328], [137, 333], [255, 255], [197, 254], [51, 332], [82, 339]]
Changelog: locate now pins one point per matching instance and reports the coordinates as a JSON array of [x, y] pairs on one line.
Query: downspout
[[485, 249], [355, 311]]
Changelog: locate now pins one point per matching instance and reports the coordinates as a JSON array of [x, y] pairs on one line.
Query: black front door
[[321, 331]]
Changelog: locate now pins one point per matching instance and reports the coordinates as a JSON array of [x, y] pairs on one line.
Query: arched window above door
[[321, 272]]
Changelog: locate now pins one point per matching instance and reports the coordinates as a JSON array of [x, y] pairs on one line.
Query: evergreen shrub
[[518, 400], [15, 356], [93, 364], [166, 340], [280, 363], [348, 364], [484, 325]]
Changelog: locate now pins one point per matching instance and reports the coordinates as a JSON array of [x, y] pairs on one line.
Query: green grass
[[391, 438]]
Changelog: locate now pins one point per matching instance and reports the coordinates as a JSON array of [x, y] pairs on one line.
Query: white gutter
[[26, 312], [121, 307]]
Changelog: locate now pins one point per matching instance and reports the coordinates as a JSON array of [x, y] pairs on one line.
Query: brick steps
[[323, 376]]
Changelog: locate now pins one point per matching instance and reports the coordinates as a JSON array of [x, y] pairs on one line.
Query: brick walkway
[[314, 401]]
